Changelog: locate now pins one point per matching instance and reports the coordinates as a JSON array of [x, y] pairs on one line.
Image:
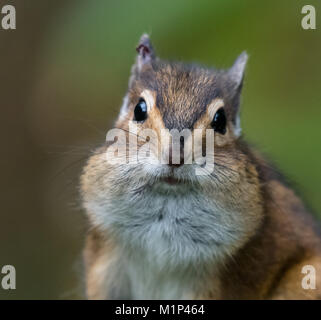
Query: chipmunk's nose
[[181, 155]]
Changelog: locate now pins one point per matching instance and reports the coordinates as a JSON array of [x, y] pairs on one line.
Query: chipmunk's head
[[176, 107], [179, 156]]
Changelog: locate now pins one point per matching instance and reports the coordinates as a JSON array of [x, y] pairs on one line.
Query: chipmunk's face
[[184, 176], [184, 119]]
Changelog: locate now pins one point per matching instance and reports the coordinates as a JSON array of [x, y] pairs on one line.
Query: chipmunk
[[159, 231]]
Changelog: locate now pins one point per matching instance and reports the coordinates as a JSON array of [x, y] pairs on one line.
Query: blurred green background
[[64, 71]]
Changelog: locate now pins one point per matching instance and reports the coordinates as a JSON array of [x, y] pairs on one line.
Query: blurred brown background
[[63, 73]]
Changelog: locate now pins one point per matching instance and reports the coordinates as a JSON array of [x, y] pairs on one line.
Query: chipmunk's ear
[[236, 72], [145, 52], [236, 76]]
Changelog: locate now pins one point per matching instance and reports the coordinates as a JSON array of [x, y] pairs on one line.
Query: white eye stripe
[[124, 108], [148, 96], [214, 106]]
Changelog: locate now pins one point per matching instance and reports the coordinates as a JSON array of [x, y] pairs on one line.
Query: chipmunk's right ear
[[145, 52]]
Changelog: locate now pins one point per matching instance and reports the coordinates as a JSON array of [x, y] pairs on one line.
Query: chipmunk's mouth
[[173, 183], [170, 180]]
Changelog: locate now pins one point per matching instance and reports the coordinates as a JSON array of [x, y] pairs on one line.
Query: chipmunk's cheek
[[223, 140], [220, 141]]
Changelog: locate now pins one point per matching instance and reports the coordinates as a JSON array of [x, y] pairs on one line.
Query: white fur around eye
[[148, 96], [219, 103], [124, 108], [238, 129], [214, 106]]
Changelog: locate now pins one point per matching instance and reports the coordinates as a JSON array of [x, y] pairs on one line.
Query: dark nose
[[181, 156]]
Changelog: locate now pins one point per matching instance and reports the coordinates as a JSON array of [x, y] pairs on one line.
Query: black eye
[[219, 121], [140, 112]]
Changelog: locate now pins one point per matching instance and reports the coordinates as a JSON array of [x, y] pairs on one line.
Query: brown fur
[[267, 263], [269, 266]]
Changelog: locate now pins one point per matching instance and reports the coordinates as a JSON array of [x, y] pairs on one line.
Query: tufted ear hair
[[236, 72], [236, 76], [145, 52]]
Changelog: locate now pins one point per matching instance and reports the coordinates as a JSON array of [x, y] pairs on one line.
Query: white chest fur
[[147, 281], [166, 240], [173, 230], [167, 243]]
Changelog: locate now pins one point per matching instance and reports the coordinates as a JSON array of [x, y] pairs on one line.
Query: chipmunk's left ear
[[145, 52], [236, 72], [236, 76]]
